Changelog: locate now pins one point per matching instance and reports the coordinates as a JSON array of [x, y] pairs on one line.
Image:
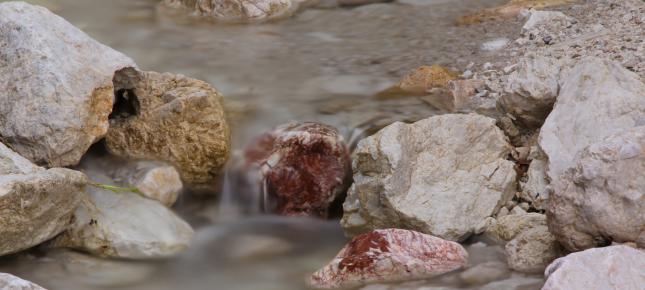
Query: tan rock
[[509, 10], [532, 250], [423, 79]]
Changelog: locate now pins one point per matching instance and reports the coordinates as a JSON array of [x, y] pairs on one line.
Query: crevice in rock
[[126, 102]]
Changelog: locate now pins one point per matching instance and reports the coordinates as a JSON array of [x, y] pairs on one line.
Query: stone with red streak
[[390, 255], [305, 167]]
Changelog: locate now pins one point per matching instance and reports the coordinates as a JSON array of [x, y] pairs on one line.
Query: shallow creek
[[321, 65]]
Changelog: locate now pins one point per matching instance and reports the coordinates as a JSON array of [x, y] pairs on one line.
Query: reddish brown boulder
[[305, 167], [388, 256]]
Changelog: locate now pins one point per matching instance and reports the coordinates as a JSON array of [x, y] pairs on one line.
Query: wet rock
[[506, 228], [305, 167], [509, 10], [423, 79], [516, 282], [124, 225], [11, 282], [252, 246], [485, 273], [443, 176], [601, 198], [531, 90], [237, 10], [155, 180], [56, 88], [387, 256], [532, 250], [35, 204], [598, 98], [171, 118], [615, 267]]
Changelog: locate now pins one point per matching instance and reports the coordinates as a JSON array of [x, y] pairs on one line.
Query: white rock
[[536, 188], [544, 20], [597, 98], [485, 273], [56, 88], [443, 175], [532, 250], [125, 225], [495, 44], [602, 198], [35, 204], [237, 10], [11, 282], [615, 267]]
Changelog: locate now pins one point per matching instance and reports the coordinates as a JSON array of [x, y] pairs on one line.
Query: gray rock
[[56, 88], [602, 197], [598, 98], [540, 22], [615, 267], [11, 282], [124, 225], [237, 10], [35, 204], [536, 188], [443, 175], [532, 250]]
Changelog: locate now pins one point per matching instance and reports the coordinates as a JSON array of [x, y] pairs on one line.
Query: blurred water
[[321, 65]]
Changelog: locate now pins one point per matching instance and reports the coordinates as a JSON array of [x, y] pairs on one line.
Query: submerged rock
[[155, 180], [305, 167], [443, 176], [601, 199], [35, 204], [598, 98], [505, 228], [615, 267], [56, 89], [237, 10], [388, 256], [124, 225], [171, 118], [11, 282]]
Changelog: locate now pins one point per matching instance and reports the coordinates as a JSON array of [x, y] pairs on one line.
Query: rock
[[35, 204], [514, 283], [545, 21], [305, 167], [536, 188], [508, 227], [423, 79], [387, 256], [485, 273], [155, 180], [598, 98], [56, 89], [495, 44], [237, 10], [532, 250], [532, 89], [508, 10], [443, 176], [471, 96], [11, 282], [252, 246], [615, 267], [124, 225], [601, 199], [171, 118]]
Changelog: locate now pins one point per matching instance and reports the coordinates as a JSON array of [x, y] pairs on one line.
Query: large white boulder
[[11, 282], [35, 204], [443, 176], [601, 199], [56, 88], [615, 267]]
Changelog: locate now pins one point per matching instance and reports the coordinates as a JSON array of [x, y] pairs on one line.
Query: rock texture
[[387, 256], [237, 10], [124, 225], [602, 198], [597, 98], [532, 250], [443, 176], [506, 228], [615, 267], [171, 118], [509, 10], [56, 89], [11, 282], [35, 204], [532, 89], [304, 167], [423, 79], [155, 180]]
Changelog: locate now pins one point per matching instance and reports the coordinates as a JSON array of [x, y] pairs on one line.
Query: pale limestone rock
[[124, 225], [601, 199], [35, 204], [387, 256], [536, 188], [237, 10], [443, 176], [171, 118], [11, 282], [532, 250], [545, 22], [56, 89], [505, 228], [615, 267], [598, 98]]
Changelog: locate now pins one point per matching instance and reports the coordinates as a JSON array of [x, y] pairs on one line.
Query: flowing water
[[321, 65]]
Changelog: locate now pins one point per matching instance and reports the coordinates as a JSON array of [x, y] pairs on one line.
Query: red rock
[[388, 256], [305, 167]]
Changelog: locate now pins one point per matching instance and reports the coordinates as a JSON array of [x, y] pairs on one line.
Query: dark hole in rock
[[126, 104]]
